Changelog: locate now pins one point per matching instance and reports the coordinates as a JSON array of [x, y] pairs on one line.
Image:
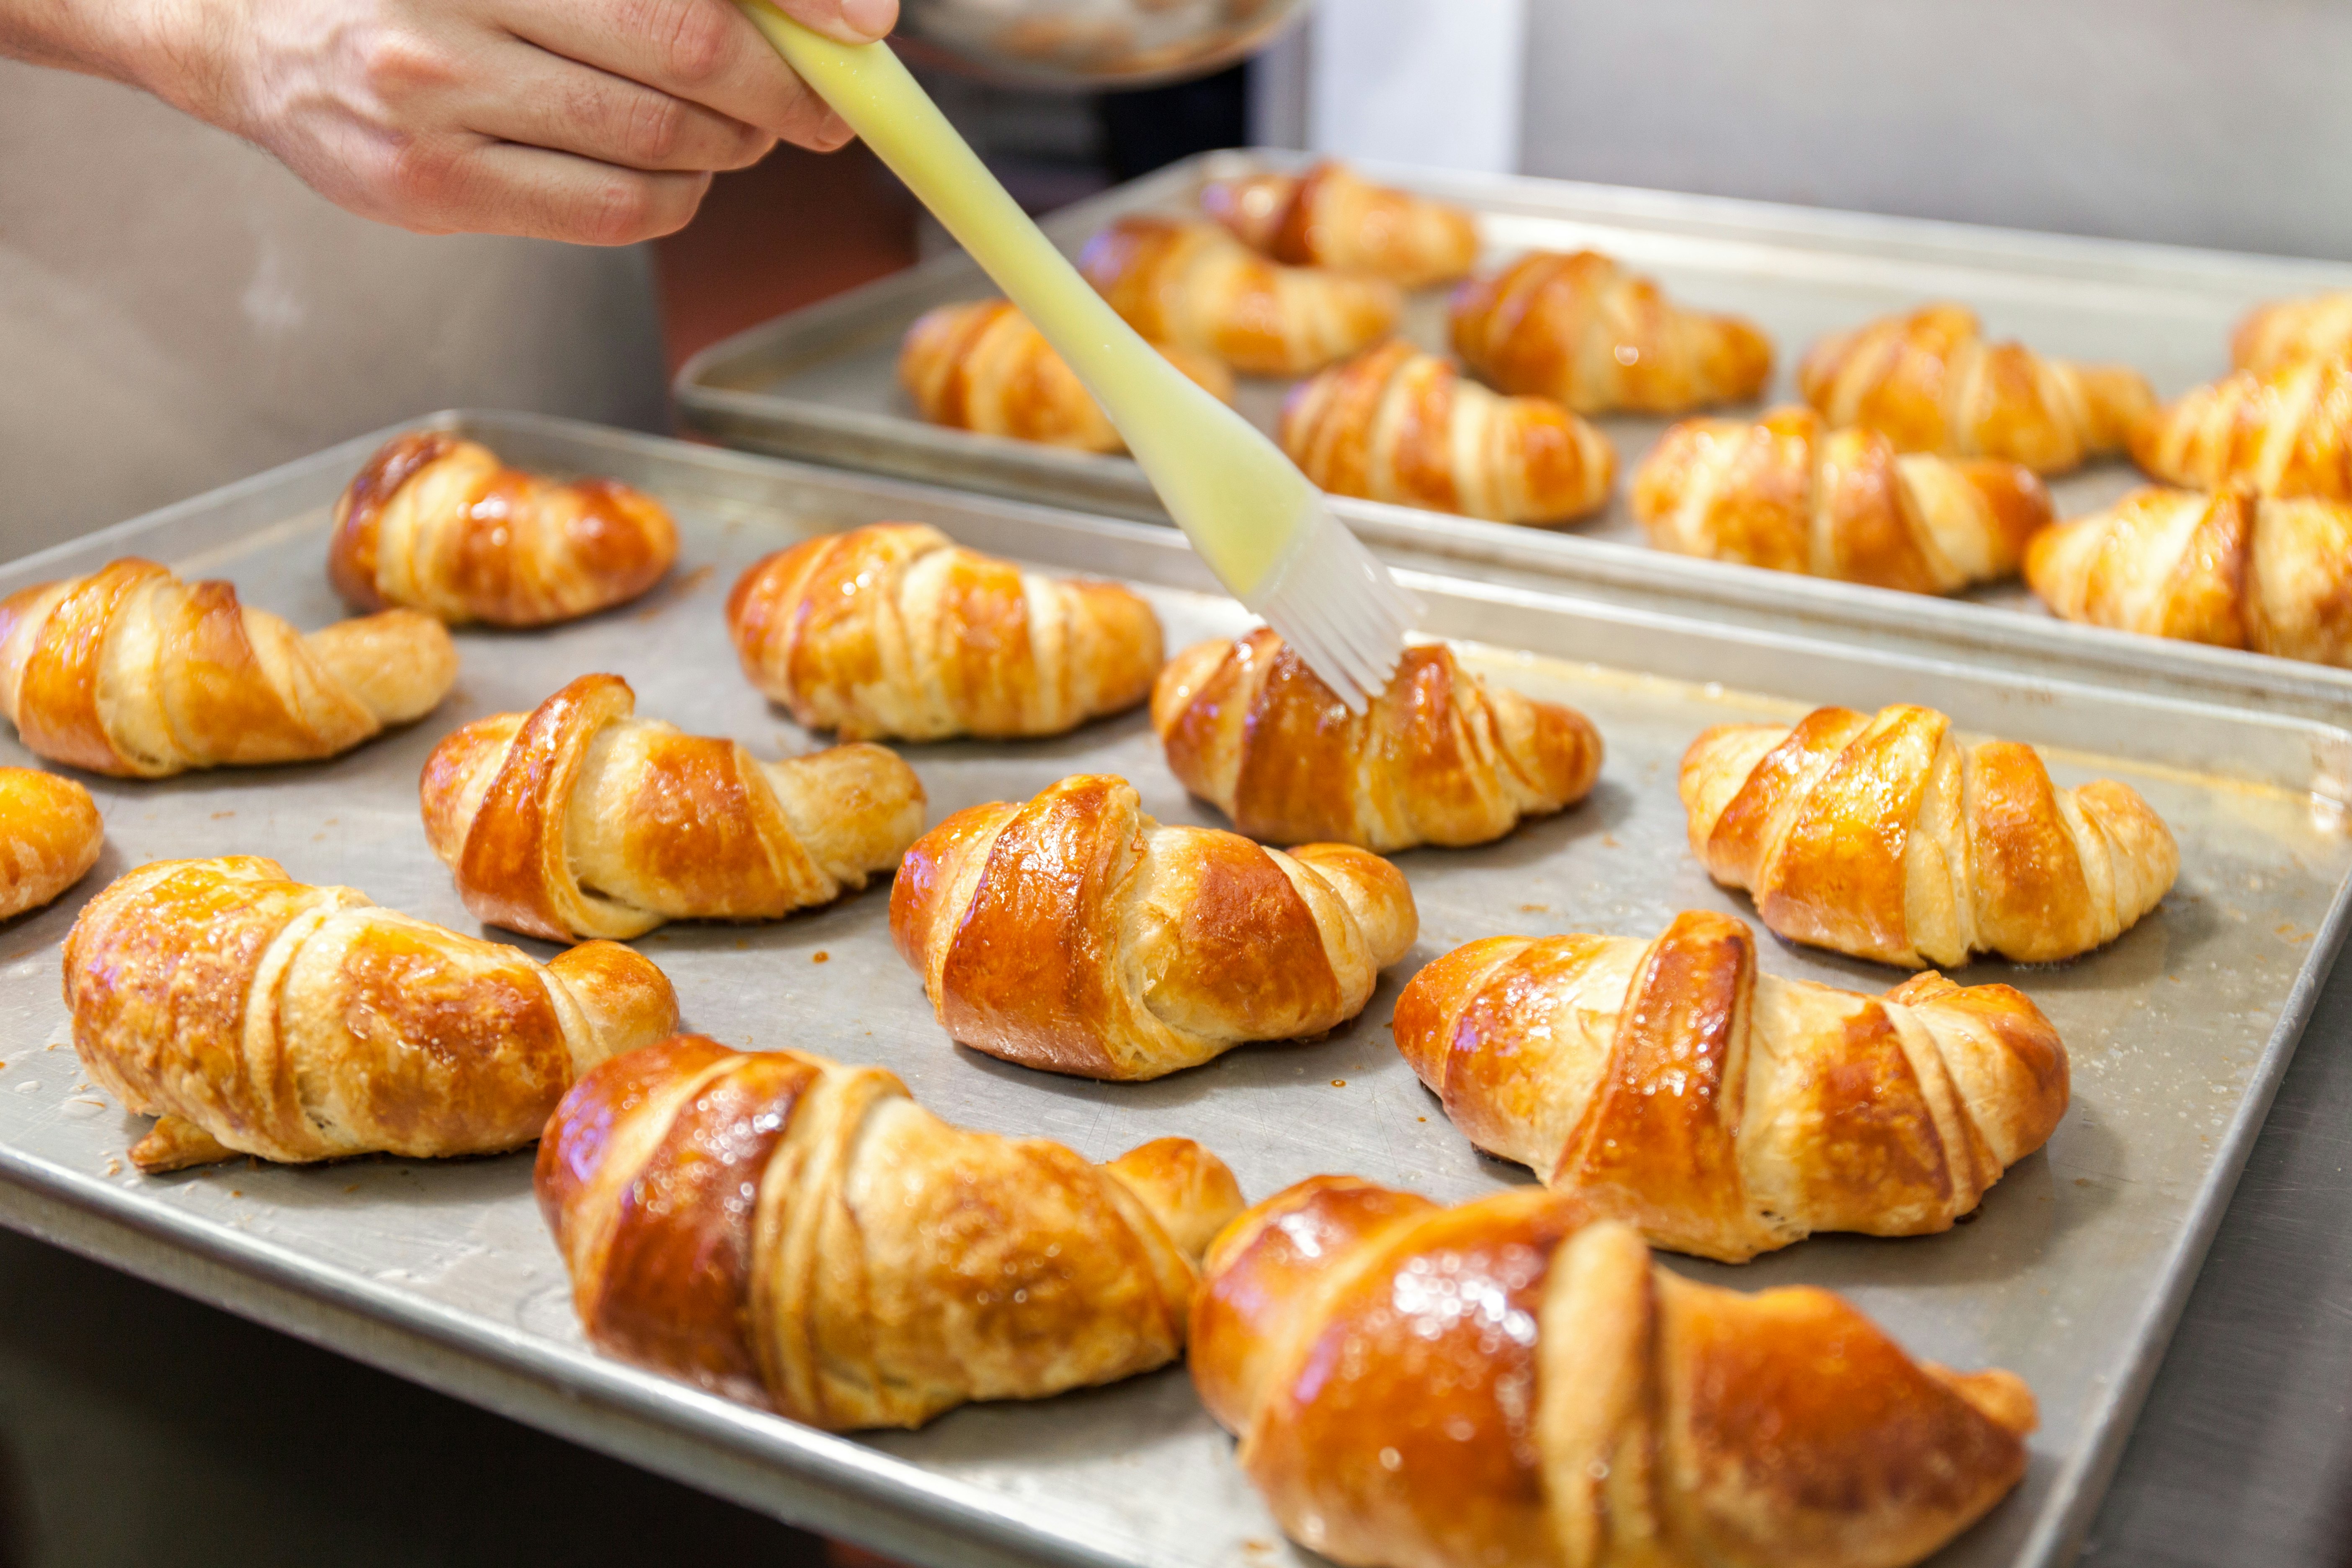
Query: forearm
[[169, 47]]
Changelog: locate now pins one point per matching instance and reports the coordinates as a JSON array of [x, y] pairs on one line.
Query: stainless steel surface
[[1089, 43], [2071, 1274], [821, 385]]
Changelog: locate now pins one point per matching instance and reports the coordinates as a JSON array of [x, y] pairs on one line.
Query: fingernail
[[873, 18]]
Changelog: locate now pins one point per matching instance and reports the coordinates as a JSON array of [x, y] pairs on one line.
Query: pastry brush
[[1262, 528]]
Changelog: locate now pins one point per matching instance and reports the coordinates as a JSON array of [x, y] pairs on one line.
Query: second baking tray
[[2071, 1274], [821, 385]]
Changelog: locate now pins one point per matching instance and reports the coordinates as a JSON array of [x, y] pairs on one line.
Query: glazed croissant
[[1398, 424], [983, 368], [1331, 216], [789, 1232], [580, 820], [257, 1016], [892, 630], [50, 834], [130, 671], [1194, 285], [1442, 757], [439, 524], [1788, 493], [1076, 934], [2286, 431], [1514, 1382], [2232, 569], [2317, 326], [1581, 331], [1726, 1113], [1933, 384], [1885, 838]]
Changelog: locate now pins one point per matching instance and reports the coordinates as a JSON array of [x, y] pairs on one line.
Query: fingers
[[498, 187], [844, 21], [703, 51], [565, 107]]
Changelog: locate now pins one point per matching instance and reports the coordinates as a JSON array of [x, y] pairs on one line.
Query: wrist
[[173, 48]]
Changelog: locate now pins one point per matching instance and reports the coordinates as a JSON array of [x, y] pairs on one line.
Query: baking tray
[[821, 384], [2071, 1274]]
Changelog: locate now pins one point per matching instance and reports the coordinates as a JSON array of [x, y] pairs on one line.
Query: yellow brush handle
[[1235, 495]]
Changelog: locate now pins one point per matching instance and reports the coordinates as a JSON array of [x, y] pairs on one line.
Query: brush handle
[[1232, 491]]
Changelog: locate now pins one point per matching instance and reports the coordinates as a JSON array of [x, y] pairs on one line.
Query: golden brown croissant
[[892, 630], [130, 671], [983, 368], [789, 1232], [1932, 383], [2232, 569], [1581, 331], [1194, 284], [2286, 431], [1331, 216], [1514, 1382], [1442, 757], [258, 1015], [1076, 934], [578, 819], [1723, 1113], [439, 524], [50, 834], [1398, 424], [1787, 492], [1885, 838], [2316, 327]]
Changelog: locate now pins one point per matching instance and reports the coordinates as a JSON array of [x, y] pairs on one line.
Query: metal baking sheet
[[821, 384], [2071, 1274]]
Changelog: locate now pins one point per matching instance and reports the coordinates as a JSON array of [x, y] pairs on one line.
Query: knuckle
[[656, 129], [697, 38], [621, 212], [425, 175], [397, 65]]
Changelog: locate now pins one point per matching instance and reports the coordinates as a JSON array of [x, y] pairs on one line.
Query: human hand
[[599, 122]]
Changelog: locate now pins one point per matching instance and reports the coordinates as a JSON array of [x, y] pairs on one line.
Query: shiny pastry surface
[[579, 819], [1443, 756], [894, 630], [50, 836], [1397, 424], [255, 1015], [1514, 1382], [131, 672], [1581, 331], [1788, 493], [2285, 431], [437, 523], [1725, 1112], [1884, 837], [1332, 217], [797, 1234], [1076, 934]]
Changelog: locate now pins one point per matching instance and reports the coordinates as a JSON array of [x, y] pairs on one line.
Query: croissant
[[1514, 1382], [796, 1234], [1076, 934], [1398, 424], [258, 1015], [1933, 384], [1581, 331], [1885, 838], [2318, 327], [983, 368], [2232, 569], [131, 672], [1196, 286], [580, 820], [892, 630], [1788, 493], [1442, 757], [439, 524], [50, 834], [2286, 431], [1330, 217], [1724, 1114]]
